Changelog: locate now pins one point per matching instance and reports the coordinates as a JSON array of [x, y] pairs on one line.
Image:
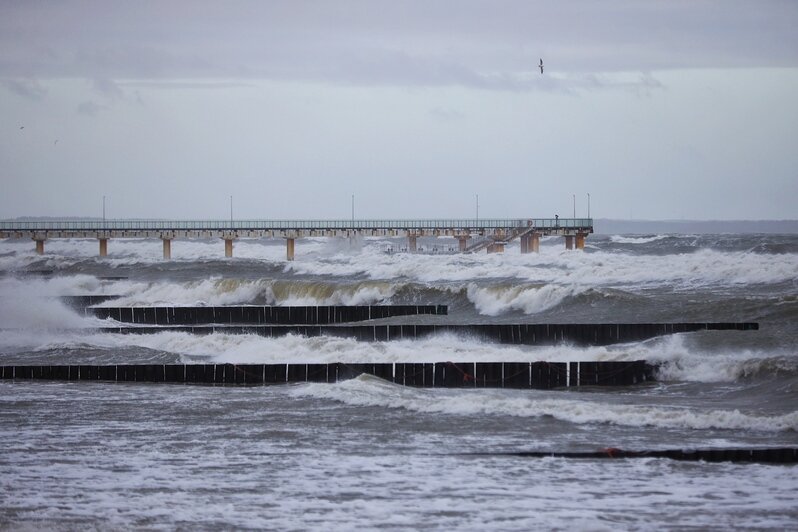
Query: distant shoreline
[[605, 226]]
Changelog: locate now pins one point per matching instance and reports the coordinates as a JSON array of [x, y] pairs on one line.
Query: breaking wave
[[370, 391]]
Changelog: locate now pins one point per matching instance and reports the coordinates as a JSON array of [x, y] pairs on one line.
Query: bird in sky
[[56, 142], [21, 127], [541, 66]]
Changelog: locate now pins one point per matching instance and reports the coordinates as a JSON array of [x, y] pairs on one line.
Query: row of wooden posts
[[523, 375]]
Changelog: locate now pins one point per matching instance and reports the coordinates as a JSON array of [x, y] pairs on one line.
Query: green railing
[[228, 225]]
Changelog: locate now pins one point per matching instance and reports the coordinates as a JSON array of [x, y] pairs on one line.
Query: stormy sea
[[369, 454]]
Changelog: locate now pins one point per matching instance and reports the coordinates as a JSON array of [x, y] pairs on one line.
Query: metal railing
[[227, 225]]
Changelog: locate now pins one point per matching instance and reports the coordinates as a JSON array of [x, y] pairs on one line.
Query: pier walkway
[[497, 232]]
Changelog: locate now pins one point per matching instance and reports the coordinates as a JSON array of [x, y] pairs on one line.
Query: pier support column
[[534, 243], [412, 243], [463, 243], [228, 247], [40, 247], [530, 243], [289, 249], [569, 242], [167, 248], [103, 247], [580, 240], [496, 247]]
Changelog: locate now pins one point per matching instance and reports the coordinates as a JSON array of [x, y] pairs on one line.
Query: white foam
[[618, 239], [493, 300], [217, 290], [370, 391], [33, 303], [554, 265]]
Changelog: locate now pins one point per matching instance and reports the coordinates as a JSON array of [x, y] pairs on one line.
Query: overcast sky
[[658, 110]]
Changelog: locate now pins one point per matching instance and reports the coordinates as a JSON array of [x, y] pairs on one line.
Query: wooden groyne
[[82, 301], [521, 375], [261, 315], [767, 455], [521, 334]]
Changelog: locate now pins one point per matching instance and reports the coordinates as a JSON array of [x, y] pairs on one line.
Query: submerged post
[[462, 243], [167, 248], [580, 240], [39, 247], [412, 243], [228, 247], [289, 248], [103, 247]]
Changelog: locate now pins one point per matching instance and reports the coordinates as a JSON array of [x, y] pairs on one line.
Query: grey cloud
[[108, 88], [446, 114], [27, 88], [89, 108], [492, 46]]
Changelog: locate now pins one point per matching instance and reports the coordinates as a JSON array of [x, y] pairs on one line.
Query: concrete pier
[[500, 230], [167, 248], [103, 247], [569, 242], [40, 247], [289, 249], [580, 240]]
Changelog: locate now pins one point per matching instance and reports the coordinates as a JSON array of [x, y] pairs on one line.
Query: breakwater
[[521, 375], [520, 334], [767, 455], [260, 315]]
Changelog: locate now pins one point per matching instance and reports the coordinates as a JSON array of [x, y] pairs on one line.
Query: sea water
[[370, 454]]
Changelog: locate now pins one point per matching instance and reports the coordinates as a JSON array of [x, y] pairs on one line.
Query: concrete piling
[[289, 249]]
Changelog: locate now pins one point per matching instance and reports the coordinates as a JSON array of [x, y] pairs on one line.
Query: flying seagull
[[21, 127], [541, 66]]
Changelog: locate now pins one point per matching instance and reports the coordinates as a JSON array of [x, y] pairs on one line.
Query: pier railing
[[200, 225]]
